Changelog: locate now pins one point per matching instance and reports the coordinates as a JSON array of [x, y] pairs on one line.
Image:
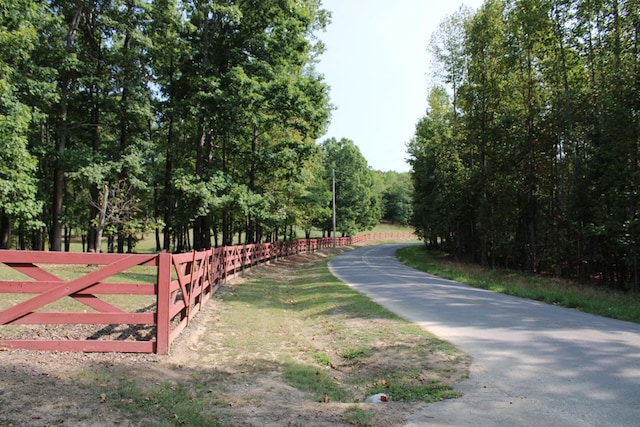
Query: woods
[[527, 156], [195, 120]]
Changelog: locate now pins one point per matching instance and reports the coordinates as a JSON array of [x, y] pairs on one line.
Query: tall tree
[[482, 96], [397, 197], [438, 176], [447, 46], [18, 184], [72, 15], [358, 207], [547, 134]]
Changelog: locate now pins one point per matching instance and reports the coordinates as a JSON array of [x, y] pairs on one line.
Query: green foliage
[[206, 112], [322, 358], [397, 196], [528, 155], [17, 167], [18, 180], [355, 352], [358, 204]]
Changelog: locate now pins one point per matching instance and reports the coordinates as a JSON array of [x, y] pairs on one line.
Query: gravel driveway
[[534, 364]]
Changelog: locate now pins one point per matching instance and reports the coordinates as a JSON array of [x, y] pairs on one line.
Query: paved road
[[533, 364]]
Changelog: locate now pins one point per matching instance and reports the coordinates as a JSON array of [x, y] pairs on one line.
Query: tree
[[545, 131], [447, 47], [438, 176], [315, 196], [358, 206], [397, 196], [18, 183], [198, 116]]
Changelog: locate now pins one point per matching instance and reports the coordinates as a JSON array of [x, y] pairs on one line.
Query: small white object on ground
[[378, 398]]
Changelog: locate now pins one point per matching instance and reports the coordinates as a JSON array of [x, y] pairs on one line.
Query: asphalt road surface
[[533, 364]]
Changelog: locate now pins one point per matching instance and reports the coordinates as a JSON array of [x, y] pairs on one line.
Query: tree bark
[[5, 231], [61, 140], [102, 218]]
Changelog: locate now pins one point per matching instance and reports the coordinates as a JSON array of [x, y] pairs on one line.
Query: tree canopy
[[196, 120], [528, 154], [358, 198]]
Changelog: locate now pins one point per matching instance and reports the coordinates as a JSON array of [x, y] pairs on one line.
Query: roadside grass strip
[[551, 290]]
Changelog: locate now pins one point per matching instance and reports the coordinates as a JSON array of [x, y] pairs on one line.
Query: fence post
[[162, 307]]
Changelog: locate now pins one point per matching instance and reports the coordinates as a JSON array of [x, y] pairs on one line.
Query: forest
[[193, 120], [528, 154]]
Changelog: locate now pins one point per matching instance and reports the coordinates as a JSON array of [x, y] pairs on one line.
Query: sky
[[377, 66]]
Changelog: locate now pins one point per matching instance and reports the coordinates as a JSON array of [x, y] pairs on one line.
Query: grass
[[407, 391], [540, 288], [311, 332], [311, 378], [358, 416], [334, 326], [388, 228], [157, 404]]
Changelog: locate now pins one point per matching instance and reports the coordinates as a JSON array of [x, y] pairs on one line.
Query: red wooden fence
[[182, 284]]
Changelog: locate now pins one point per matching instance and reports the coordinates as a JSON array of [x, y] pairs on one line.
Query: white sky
[[377, 65]]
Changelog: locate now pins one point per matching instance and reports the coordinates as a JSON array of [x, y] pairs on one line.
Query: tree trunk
[[5, 231], [55, 238], [61, 140], [120, 239], [102, 218], [168, 189], [67, 239]]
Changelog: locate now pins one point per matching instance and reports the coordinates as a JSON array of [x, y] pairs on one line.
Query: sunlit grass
[[356, 333]]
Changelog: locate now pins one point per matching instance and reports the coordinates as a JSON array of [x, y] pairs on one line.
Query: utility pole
[[333, 191]]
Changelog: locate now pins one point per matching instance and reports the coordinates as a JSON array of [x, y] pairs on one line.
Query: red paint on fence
[[183, 283]]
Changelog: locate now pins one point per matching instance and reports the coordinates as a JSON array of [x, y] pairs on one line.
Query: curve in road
[[533, 364]]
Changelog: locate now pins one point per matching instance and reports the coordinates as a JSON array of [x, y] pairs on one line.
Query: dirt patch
[[237, 387]]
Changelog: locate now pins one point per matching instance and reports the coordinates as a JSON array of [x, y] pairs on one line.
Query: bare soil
[[73, 389]]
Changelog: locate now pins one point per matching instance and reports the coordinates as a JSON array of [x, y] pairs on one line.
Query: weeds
[[158, 404], [406, 389], [317, 381], [358, 416]]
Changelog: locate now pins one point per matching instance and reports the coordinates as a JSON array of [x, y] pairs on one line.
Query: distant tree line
[[528, 156], [195, 120]]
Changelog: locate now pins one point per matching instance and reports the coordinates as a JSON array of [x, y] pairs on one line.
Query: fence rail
[[176, 288]]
